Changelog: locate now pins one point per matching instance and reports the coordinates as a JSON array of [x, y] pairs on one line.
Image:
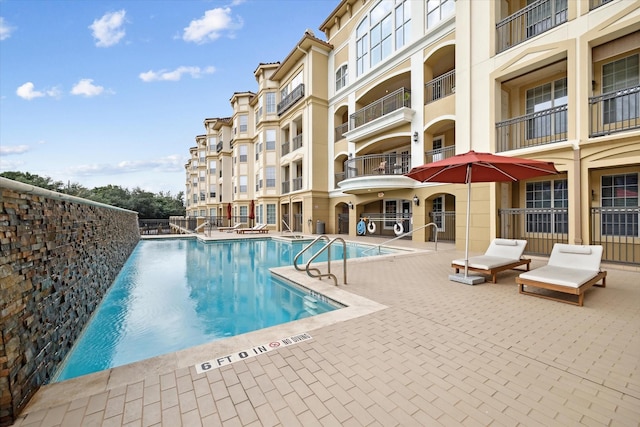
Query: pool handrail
[[327, 247]]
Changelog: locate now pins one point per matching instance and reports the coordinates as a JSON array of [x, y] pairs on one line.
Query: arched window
[[375, 39]]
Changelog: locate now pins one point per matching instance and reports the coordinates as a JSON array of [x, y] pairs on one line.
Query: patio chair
[[571, 269], [230, 229], [381, 168], [501, 255], [258, 228]]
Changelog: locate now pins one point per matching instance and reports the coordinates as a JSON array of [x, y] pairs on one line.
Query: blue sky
[[102, 92]]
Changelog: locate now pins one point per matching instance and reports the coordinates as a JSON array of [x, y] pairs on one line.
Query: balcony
[[539, 128], [219, 147], [439, 154], [340, 131], [297, 183], [297, 142], [440, 87], [386, 113], [375, 172], [284, 148], [285, 187], [289, 100], [530, 21], [614, 112]]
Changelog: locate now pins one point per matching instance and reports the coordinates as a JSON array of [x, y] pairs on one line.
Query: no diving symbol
[[274, 344]]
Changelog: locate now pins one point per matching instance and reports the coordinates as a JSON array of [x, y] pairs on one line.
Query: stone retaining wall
[[58, 256]]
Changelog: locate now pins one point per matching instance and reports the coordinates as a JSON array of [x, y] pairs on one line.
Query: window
[[438, 212], [548, 208], [243, 183], [438, 10], [259, 215], [616, 77], [212, 166], [242, 150], [541, 99], [243, 213], [258, 110], [403, 23], [618, 192], [294, 83], [341, 77], [244, 120], [544, 15], [202, 176], [270, 176], [271, 213], [375, 39], [213, 142], [270, 100], [390, 210], [270, 136]]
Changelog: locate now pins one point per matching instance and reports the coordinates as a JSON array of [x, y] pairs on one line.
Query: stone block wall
[[58, 256]]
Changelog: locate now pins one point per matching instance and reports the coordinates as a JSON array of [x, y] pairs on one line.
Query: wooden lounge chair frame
[[259, 228], [493, 272], [570, 290], [230, 229]]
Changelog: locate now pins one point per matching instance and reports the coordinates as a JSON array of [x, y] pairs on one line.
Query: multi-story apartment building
[[333, 129]]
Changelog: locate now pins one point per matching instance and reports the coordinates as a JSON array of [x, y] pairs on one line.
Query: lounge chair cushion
[[485, 262], [562, 276]]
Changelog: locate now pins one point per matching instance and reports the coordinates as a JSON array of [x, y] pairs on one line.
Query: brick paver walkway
[[434, 353]]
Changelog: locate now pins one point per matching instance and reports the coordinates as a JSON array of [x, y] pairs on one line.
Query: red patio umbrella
[[479, 167], [229, 213], [252, 210]]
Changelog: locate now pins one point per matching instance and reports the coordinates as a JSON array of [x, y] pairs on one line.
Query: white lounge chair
[[258, 228], [230, 229], [572, 269], [501, 255]]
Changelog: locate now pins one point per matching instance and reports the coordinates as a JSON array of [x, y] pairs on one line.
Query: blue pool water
[[173, 294]]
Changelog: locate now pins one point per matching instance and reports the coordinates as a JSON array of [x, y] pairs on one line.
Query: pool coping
[[54, 394]]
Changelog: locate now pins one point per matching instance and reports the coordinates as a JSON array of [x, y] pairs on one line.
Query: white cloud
[[211, 26], [173, 163], [5, 29], [85, 87], [175, 75], [15, 149], [27, 91], [109, 30]]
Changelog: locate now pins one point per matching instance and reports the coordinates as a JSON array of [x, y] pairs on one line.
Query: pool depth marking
[[254, 351]]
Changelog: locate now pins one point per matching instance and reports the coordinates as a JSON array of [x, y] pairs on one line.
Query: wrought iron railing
[[446, 223], [338, 177], [614, 112], [297, 141], [440, 87], [616, 229], [289, 100], [536, 18], [340, 131], [439, 154], [297, 183], [539, 128], [284, 148], [377, 164], [541, 228], [594, 4], [388, 104], [285, 187]]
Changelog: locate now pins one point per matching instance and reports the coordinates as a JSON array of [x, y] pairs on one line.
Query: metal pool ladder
[[315, 272]]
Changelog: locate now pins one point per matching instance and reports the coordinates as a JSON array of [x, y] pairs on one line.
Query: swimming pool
[[174, 293]]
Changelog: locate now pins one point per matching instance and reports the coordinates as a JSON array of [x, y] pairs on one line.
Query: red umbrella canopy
[[228, 210], [481, 167], [252, 210]]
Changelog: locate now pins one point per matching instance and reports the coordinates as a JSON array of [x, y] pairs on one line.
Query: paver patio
[[420, 351]]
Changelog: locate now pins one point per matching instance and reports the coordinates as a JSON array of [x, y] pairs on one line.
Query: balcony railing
[[285, 187], [297, 183], [390, 103], [594, 4], [539, 128], [285, 148], [617, 230], [542, 228], [288, 101], [440, 87], [439, 154], [615, 112], [297, 142], [219, 146], [338, 177], [340, 131], [530, 21], [377, 164]]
